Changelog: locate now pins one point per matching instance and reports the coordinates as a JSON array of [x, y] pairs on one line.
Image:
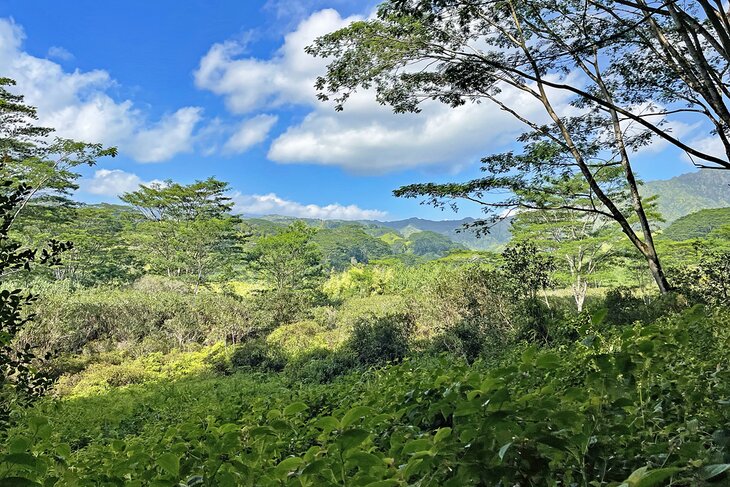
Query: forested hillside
[[699, 224], [689, 193], [167, 337]]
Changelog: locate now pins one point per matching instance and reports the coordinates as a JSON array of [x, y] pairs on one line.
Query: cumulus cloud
[[78, 106], [249, 83], [366, 137], [250, 133], [269, 204], [168, 137], [112, 182]]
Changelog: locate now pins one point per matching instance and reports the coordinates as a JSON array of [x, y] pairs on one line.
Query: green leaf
[[384, 483], [416, 445], [548, 360], [314, 467], [352, 438], [295, 408], [20, 459], [289, 464], [327, 423], [354, 414], [19, 445], [711, 471], [442, 434], [642, 477], [598, 316], [170, 463], [503, 450], [364, 460], [18, 482]]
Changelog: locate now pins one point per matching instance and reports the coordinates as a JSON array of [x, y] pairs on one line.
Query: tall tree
[[459, 51], [185, 230], [28, 153], [289, 260], [29, 164], [580, 241]]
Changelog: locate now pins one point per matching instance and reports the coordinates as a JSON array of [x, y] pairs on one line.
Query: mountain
[[698, 224], [691, 192], [678, 196], [498, 236]]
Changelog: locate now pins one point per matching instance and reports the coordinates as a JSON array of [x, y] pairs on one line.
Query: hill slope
[[698, 224], [691, 192]]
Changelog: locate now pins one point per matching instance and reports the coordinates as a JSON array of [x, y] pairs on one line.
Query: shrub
[[257, 354], [623, 307], [380, 339], [72, 322], [303, 336], [465, 339], [320, 366]]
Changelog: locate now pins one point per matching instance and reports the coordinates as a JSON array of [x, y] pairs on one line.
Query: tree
[[526, 270], [20, 379], [344, 244], [171, 201], [44, 166], [674, 53], [288, 260], [457, 51], [582, 242], [290, 265], [26, 157], [431, 243], [100, 253], [186, 230]]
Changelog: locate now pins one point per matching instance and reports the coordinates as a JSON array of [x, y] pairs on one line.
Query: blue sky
[[222, 88]]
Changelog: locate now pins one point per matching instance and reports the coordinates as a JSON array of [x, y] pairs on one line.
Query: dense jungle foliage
[[167, 340]]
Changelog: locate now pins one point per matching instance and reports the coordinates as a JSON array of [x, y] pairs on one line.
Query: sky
[[198, 88]]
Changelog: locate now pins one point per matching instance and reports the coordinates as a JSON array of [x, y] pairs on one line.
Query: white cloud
[[249, 133], [269, 204], [170, 136], [61, 53], [112, 182], [288, 77], [78, 106], [366, 137]]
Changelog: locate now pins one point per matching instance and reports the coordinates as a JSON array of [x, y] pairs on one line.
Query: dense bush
[[643, 405], [103, 318], [257, 354], [380, 339]]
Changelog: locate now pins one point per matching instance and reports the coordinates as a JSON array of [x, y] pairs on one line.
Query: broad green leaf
[[352, 438], [441, 434], [17, 482], [295, 408], [289, 464], [170, 463], [548, 360], [503, 450], [354, 414], [364, 459], [416, 445], [327, 423], [643, 477], [711, 471], [25, 459], [314, 467], [19, 445], [384, 483]]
